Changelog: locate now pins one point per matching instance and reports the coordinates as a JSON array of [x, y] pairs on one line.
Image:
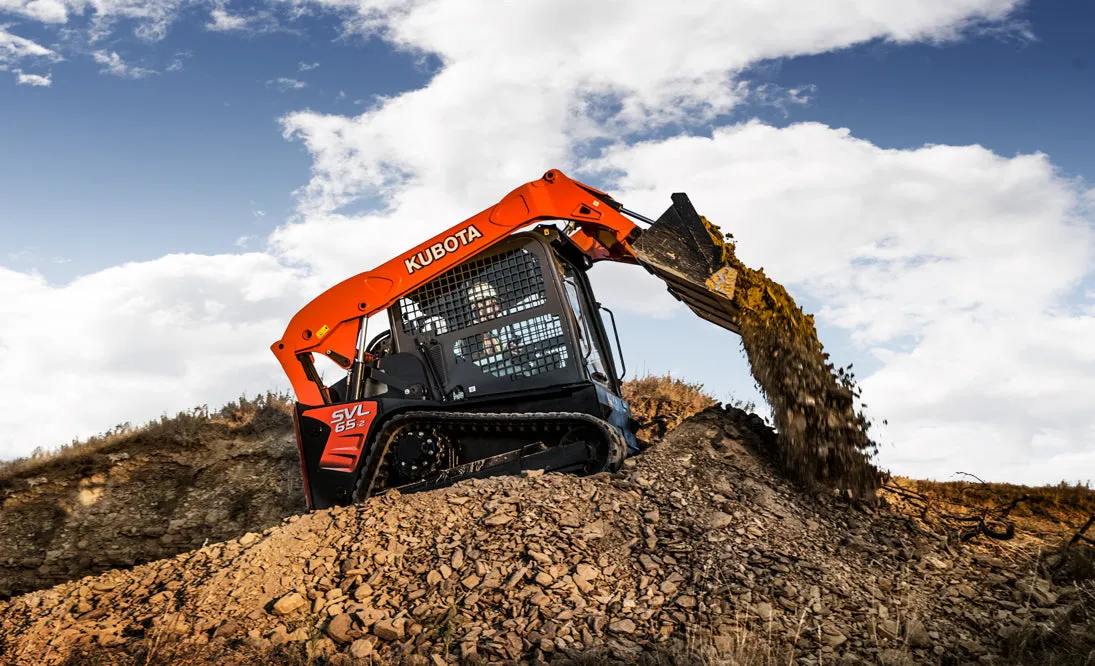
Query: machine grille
[[524, 349], [474, 293]]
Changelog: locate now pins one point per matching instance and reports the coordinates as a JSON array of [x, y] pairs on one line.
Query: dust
[[822, 440]]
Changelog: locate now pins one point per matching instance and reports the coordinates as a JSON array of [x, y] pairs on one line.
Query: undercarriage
[[431, 449]]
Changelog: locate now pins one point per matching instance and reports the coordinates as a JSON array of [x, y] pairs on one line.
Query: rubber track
[[484, 422]]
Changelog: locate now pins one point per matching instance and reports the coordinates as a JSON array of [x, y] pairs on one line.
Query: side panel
[[331, 441], [349, 425]]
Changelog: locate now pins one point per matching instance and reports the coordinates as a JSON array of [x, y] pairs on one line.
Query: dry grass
[[661, 402], [1053, 502], [742, 649], [239, 417], [1051, 512], [180, 653], [1066, 640]]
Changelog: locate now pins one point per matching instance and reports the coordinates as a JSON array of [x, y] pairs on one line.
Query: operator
[[485, 305]]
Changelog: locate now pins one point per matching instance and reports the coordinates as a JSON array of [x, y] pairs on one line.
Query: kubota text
[[448, 244]]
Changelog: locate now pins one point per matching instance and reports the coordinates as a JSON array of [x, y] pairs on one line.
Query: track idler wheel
[[606, 448], [416, 452]]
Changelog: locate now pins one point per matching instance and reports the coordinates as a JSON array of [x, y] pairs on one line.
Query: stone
[[321, 647], [226, 629], [248, 539], [361, 648], [298, 635], [341, 628], [719, 520], [362, 592], [279, 636], [889, 628], [289, 603], [834, 639], [916, 635], [623, 626], [388, 630], [764, 610]]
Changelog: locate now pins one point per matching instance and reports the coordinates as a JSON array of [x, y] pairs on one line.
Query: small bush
[[661, 402]]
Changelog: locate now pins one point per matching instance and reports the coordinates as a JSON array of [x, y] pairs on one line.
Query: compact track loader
[[496, 358]]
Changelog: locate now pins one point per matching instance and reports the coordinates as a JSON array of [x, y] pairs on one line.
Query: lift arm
[[329, 324], [680, 248]]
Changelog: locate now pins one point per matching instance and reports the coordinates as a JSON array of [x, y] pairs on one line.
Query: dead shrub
[[661, 402]]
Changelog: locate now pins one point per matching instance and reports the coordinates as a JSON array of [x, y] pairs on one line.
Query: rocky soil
[[697, 552], [153, 494]]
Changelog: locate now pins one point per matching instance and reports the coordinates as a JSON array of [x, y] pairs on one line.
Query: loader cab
[[518, 317]]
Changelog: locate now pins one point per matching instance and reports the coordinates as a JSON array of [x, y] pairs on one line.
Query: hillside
[[133, 497], [697, 552]]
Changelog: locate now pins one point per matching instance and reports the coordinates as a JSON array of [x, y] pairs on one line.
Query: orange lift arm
[[330, 323]]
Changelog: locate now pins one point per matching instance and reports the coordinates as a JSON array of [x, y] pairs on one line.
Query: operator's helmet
[[482, 291]]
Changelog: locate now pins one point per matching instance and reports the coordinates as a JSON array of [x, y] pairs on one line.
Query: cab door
[[592, 344]]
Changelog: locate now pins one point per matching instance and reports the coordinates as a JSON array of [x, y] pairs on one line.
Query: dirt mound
[[140, 496], [696, 550], [822, 440]]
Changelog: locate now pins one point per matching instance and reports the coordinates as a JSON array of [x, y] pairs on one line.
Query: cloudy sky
[[178, 177]]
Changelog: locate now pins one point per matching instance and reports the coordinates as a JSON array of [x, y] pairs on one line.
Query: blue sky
[[218, 157], [322, 136], [179, 161], [1006, 93]]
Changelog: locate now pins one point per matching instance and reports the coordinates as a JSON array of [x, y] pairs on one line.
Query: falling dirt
[[822, 439]]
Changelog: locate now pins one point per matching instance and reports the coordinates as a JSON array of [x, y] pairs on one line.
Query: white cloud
[[285, 84], [139, 340], [221, 21], [114, 65], [261, 21], [23, 255], [974, 257], [523, 83], [34, 80], [46, 11], [307, 66], [15, 49], [177, 63]]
